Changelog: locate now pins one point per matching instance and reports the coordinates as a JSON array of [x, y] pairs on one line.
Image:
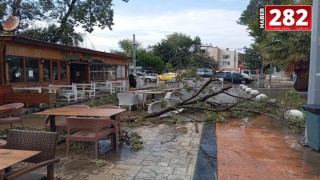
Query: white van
[[251, 73]]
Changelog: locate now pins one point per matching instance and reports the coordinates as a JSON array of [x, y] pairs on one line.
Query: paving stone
[[157, 169], [191, 168], [179, 162], [116, 172], [129, 173], [179, 177], [151, 176], [132, 161], [149, 163], [180, 171], [165, 164], [128, 167]]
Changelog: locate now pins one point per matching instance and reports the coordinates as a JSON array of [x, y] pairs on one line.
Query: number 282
[[288, 19]]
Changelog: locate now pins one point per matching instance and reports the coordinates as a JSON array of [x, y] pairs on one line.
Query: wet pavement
[[259, 148]]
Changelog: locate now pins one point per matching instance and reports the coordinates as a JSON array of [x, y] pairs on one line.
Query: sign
[[285, 18]]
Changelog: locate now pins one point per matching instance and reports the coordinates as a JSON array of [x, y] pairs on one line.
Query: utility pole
[[314, 68], [134, 44]]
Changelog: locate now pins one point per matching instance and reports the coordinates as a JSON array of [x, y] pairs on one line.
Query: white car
[[147, 77]]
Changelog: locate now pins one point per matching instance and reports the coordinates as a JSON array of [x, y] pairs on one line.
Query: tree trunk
[[302, 72]]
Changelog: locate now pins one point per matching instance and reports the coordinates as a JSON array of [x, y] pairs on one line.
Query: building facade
[[226, 58], [27, 62]]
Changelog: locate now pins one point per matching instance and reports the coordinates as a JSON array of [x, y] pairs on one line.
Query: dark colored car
[[234, 77]]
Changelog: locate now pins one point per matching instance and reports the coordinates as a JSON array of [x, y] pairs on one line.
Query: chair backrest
[[127, 98], [168, 95], [88, 123], [165, 103], [16, 111], [43, 141]]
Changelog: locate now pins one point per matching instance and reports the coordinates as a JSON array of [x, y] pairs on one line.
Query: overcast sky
[[214, 21]]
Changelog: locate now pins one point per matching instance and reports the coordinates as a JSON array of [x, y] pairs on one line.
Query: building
[[226, 59], [28, 62]]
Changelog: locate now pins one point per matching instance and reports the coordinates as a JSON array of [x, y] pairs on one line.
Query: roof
[[20, 39]]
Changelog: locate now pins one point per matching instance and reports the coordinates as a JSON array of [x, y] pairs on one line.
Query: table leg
[[2, 174], [117, 118], [52, 123]]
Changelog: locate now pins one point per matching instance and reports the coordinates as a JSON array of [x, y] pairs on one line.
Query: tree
[[287, 50], [149, 61], [62, 16], [251, 57], [202, 60], [126, 46], [177, 49]]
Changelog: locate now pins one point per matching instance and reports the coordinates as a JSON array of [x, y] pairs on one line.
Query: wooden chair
[[88, 129], [61, 125], [114, 117], [45, 142], [14, 115]]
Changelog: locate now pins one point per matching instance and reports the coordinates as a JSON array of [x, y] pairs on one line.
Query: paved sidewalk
[[168, 153]]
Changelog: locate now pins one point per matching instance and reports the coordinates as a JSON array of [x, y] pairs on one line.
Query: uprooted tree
[[202, 100]]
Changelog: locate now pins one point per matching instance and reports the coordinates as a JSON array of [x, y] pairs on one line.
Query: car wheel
[[243, 81], [147, 80]]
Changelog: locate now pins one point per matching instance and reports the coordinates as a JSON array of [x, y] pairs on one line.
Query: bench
[[31, 98], [67, 93], [88, 90]]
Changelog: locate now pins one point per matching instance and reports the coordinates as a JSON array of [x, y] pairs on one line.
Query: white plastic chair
[[186, 94], [127, 99], [163, 104]]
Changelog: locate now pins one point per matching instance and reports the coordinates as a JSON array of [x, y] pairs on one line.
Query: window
[[46, 70], [55, 70], [63, 70], [32, 70], [98, 71], [121, 72], [226, 57], [225, 63], [16, 69]]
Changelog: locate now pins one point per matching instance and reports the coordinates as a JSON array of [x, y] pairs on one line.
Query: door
[[78, 73]]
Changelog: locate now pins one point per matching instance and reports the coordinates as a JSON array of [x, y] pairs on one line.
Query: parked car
[[147, 77], [234, 77], [167, 76], [251, 73]]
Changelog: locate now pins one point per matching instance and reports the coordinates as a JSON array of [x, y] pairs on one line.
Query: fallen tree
[[201, 101]]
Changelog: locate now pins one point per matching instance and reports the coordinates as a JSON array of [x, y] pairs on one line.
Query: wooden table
[[91, 112], [5, 108], [9, 157], [172, 89]]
